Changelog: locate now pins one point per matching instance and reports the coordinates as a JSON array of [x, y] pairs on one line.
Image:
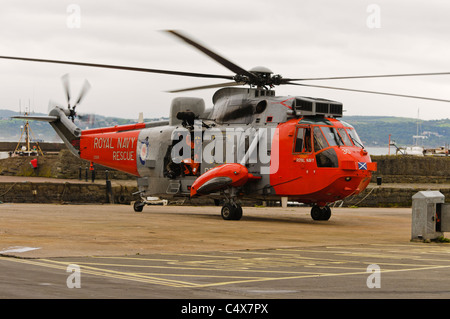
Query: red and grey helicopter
[[251, 144]]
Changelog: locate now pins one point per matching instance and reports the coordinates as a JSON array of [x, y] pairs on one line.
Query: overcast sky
[[292, 38]]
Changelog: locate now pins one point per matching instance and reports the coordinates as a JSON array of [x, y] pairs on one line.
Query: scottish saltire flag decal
[[362, 165]]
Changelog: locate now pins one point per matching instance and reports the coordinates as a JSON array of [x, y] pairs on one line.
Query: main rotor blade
[[285, 80], [212, 86], [127, 68], [226, 63], [373, 92], [66, 84]]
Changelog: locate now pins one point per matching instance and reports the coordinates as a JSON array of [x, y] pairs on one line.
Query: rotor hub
[[260, 77]]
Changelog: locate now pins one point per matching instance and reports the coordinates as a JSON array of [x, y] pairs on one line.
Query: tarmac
[[191, 253]]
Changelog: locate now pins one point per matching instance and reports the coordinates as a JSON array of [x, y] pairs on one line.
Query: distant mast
[[26, 148]]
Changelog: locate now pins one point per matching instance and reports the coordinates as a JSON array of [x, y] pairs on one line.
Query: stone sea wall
[[65, 193], [402, 177], [63, 165], [391, 196], [412, 169]]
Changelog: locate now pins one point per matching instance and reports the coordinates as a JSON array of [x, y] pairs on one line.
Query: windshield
[[355, 138], [324, 137], [345, 137], [332, 136]]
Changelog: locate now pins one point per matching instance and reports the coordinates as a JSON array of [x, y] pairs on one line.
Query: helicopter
[[251, 144]]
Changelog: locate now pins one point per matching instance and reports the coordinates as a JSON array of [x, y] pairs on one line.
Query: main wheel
[[231, 212], [316, 213], [326, 213], [320, 213], [238, 212]]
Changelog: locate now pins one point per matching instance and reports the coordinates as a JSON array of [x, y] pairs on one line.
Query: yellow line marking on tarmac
[[30, 262], [143, 277], [182, 284], [131, 258], [103, 272], [243, 264], [336, 264], [201, 269], [175, 265], [199, 276], [201, 255], [314, 276], [126, 275], [370, 255]]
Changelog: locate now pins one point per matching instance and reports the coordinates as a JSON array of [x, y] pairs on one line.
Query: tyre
[[138, 206], [316, 213], [231, 212], [320, 213], [238, 213], [326, 213]]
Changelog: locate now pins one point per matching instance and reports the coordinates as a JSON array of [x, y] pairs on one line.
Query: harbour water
[[380, 150]]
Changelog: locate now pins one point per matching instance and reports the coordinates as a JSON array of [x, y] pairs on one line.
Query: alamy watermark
[[73, 20], [374, 279], [232, 145], [74, 279], [373, 20]]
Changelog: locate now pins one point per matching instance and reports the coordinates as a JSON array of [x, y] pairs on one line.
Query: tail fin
[[67, 131]]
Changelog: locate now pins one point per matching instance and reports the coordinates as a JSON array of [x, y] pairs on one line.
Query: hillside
[[373, 130]]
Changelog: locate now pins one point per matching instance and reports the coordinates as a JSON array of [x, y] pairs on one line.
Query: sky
[[296, 39]]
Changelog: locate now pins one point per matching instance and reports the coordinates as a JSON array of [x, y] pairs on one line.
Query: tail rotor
[[71, 112]]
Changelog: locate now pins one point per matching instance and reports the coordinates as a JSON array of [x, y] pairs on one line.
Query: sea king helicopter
[[251, 144]]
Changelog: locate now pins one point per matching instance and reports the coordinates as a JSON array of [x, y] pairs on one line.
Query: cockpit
[[320, 140]]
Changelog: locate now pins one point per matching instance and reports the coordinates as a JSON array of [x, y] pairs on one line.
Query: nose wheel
[[231, 211], [320, 213]]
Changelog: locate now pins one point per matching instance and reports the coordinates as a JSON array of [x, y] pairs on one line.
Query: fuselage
[[312, 159], [291, 147]]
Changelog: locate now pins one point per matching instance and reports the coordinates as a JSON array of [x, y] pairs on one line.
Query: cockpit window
[[332, 136], [345, 137], [319, 140], [354, 137], [303, 140], [327, 158]]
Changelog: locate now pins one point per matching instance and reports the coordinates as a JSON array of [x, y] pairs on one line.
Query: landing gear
[[138, 206], [320, 213], [231, 211]]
